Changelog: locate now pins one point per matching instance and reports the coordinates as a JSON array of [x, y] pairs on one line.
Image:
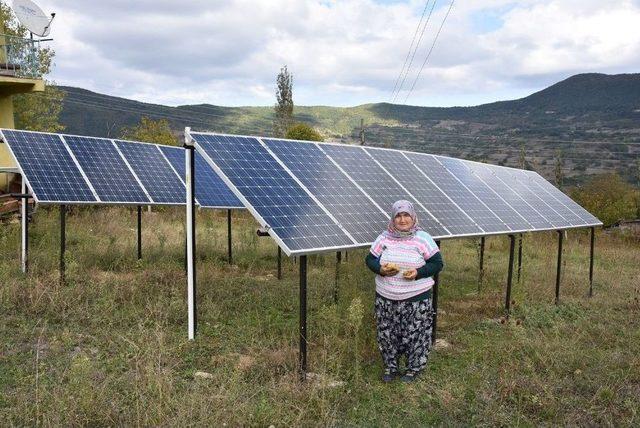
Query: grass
[[109, 347]]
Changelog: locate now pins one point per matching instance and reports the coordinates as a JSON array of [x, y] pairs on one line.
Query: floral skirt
[[404, 328]]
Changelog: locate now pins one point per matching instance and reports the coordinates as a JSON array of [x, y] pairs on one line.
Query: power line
[[395, 85], [430, 50], [414, 51]]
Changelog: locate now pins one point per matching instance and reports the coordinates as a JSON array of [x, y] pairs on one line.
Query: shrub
[[608, 197]]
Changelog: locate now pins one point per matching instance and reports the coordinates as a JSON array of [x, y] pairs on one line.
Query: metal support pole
[[229, 236], [302, 357], [346, 257], [507, 302], [593, 239], [520, 257], [335, 287], [481, 270], [559, 269], [63, 241], [139, 232], [434, 304], [24, 221], [191, 244], [279, 263]]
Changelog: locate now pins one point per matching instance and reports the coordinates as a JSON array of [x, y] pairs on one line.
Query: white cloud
[[340, 52]]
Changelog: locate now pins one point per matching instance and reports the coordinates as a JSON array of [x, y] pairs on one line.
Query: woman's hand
[[389, 269], [410, 274]]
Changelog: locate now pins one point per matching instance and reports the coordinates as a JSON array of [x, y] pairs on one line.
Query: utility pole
[[361, 131]]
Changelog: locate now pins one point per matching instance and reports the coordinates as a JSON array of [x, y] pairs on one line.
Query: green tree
[[284, 107], [38, 111], [608, 197], [151, 131], [302, 131]]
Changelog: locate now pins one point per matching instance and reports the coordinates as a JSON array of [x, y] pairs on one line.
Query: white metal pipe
[[190, 238], [23, 222]]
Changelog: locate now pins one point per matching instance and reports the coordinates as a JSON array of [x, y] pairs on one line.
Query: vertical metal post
[[520, 257], [279, 263], [593, 239], [302, 357], [346, 256], [139, 232], [229, 236], [335, 286], [191, 242], [63, 241], [434, 304], [24, 221], [559, 269], [507, 302], [481, 270]]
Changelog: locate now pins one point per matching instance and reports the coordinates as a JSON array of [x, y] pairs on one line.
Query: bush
[[608, 197], [302, 131]]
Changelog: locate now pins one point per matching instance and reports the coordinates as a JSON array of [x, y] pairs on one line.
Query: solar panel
[[300, 223], [51, 172], [108, 173], [425, 191], [211, 191], [379, 185], [509, 195], [585, 217], [334, 190], [508, 176], [154, 172], [484, 193], [458, 193]]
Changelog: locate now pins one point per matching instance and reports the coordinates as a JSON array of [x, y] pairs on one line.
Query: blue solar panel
[[282, 204], [437, 202], [379, 185], [156, 175], [458, 193], [49, 168], [484, 193], [578, 216], [211, 191], [516, 182], [333, 189], [510, 196], [109, 175]]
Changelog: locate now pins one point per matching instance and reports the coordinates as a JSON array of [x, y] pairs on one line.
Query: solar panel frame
[[490, 167]]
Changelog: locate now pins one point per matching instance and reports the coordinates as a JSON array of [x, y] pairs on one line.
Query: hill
[[591, 120]]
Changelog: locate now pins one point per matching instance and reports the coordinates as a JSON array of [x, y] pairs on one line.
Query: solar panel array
[[68, 169], [315, 197]]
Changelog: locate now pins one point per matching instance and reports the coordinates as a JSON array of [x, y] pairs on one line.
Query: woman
[[405, 258]]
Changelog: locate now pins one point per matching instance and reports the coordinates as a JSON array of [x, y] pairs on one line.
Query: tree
[[38, 111], [608, 197], [284, 106], [302, 131], [522, 162], [151, 131]]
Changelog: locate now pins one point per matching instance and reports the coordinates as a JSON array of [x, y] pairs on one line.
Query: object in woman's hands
[[390, 269]]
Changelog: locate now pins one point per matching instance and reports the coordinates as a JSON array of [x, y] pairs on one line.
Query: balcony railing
[[19, 57]]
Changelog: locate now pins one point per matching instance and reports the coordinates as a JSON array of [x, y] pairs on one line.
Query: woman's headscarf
[[403, 206]]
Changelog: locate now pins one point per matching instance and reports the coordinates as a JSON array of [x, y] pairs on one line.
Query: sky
[[340, 52]]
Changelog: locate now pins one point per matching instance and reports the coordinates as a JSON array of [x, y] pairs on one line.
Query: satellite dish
[[32, 17]]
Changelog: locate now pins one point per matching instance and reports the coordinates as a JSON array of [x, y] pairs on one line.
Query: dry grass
[[109, 347]]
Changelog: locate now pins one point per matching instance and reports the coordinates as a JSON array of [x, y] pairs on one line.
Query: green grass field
[[109, 347]]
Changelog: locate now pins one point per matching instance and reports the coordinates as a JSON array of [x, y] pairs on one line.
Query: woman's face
[[403, 222]]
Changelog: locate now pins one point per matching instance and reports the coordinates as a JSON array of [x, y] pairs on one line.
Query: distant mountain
[[591, 120]]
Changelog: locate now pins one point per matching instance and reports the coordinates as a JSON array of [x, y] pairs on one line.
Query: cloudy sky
[[340, 52]]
